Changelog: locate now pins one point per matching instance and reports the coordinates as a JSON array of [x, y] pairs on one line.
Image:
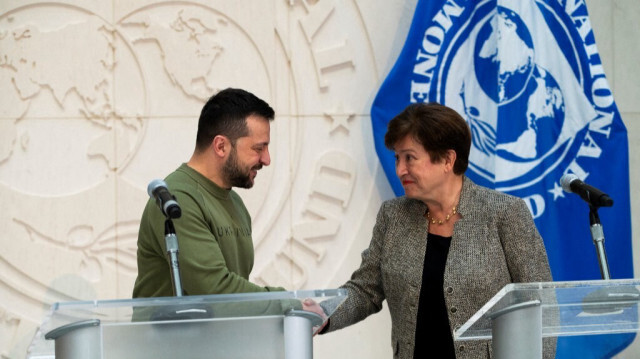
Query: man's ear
[[221, 146]]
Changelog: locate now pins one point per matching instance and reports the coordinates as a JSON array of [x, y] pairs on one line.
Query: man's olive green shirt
[[214, 237]]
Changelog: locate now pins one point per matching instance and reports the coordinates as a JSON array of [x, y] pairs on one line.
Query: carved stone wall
[[100, 97]]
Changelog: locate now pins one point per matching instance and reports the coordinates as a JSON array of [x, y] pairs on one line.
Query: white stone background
[[106, 98]]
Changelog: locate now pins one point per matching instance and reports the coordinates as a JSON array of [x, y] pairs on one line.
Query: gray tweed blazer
[[494, 243]]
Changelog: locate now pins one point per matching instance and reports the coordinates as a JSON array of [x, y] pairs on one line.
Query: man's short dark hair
[[225, 114], [437, 128]]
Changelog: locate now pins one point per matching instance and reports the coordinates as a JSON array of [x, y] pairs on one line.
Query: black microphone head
[[590, 194], [153, 185], [565, 181], [173, 210], [606, 201]]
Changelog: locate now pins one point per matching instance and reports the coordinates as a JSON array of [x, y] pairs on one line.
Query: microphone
[[595, 197], [158, 190]]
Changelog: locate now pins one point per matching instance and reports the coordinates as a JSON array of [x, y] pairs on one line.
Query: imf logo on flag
[[527, 77], [522, 124], [528, 93]]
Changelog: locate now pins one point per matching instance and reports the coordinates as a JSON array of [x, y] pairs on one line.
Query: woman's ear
[[450, 160]]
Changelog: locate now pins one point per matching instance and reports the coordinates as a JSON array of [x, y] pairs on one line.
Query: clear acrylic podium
[[250, 325], [520, 315]]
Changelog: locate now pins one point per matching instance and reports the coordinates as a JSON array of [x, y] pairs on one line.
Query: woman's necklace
[[441, 221]]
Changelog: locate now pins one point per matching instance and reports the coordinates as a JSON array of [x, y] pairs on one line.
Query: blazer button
[[453, 309], [461, 348], [449, 290]]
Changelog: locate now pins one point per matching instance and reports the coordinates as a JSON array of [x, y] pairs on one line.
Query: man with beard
[[214, 231]]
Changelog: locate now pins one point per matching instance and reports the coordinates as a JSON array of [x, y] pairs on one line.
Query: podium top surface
[[65, 317], [568, 308]]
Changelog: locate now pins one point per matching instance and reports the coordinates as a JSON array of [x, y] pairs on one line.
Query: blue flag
[[527, 77]]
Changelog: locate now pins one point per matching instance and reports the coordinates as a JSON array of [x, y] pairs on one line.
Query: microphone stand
[[606, 300], [171, 241], [597, 234], [178, 312]]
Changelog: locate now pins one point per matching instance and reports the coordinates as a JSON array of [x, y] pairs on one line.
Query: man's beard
[[235, 175]]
